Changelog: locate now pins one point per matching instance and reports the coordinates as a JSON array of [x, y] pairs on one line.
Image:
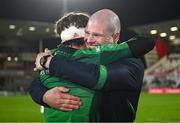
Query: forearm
[[108, 53], [84, 74], [37, 90]]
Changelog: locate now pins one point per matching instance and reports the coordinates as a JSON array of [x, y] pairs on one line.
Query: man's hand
[[58, 99], [38, 58]]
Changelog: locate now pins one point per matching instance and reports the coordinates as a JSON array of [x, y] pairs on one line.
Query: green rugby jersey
[[100, 55]]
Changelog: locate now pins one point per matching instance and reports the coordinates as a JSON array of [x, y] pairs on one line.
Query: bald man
[[124, 77]]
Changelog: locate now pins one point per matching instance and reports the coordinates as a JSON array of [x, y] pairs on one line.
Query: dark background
[[131, 12]]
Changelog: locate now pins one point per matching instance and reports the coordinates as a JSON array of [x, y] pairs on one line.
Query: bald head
[[109, 18], [103, 27]]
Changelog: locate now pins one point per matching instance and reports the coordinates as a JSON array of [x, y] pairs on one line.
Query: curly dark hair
[[77, 19]]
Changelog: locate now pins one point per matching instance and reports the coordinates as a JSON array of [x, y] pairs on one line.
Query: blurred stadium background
[[26, 27]]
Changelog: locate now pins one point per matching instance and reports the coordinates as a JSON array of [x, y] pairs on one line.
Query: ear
[[116, 37]]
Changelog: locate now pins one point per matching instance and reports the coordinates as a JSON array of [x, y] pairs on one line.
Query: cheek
[[98, 40], [101, 41], [104, 41]]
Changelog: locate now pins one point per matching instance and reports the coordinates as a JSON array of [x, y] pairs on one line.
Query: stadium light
[[16, 59], [153, 32], [172, 37], [32, 28], [163, 34], [9, 58], [12, 26], [173, 28]]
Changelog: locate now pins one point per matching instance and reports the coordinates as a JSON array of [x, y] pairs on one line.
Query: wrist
[[44, 61], [48, 62]]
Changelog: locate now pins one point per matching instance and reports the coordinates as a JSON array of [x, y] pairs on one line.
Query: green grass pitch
[[152, 108], [19, 109], [158, 108]]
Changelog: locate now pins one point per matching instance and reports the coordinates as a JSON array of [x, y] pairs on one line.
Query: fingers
[[37, 61], [46, 50], [67, 107], [56, 98], [38, 58], [69, 97], [62, 89], [35, 69], [71, 102]]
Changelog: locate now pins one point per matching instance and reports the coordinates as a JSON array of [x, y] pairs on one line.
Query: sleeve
[[141, 45], [126, 75], [37, 90], [84, 74]]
